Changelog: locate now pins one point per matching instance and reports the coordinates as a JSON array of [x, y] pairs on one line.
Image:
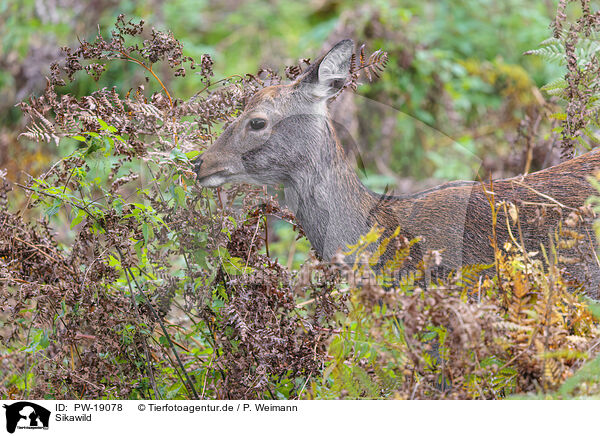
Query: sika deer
[[285, 137]]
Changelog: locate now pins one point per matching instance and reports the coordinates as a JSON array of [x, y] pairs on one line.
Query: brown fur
[[438, 215]]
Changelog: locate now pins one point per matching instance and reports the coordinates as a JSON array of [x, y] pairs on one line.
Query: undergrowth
[[466, 336]]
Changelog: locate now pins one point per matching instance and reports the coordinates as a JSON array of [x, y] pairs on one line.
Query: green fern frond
[[347, 382], [592, 135], [469, 274], [410, 279], [381, 249], [552, 52], [388, 381], [365, 382], [583, 142], [551, 41], [556, 87]]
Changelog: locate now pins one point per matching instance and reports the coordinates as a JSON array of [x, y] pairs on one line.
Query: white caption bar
[[296, 417]]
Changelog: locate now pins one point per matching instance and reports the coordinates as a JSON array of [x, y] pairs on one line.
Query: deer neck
[[330, 203]]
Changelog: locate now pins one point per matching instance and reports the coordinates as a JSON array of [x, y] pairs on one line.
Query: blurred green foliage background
[[453, 63]]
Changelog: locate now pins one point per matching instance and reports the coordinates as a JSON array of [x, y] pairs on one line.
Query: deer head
[[285, 136], [282, 130]]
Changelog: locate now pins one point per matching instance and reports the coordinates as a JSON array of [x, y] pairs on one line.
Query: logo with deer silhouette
[[26, 415]]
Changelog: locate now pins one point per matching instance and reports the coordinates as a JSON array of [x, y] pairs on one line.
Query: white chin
[[213, 181]]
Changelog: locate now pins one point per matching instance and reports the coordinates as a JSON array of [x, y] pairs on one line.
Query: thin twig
[[149, 69], [547, 197]]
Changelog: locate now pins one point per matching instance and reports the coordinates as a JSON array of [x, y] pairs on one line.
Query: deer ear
[[329, 73]]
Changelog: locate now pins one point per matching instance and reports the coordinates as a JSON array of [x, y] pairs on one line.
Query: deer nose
[[197, 165]]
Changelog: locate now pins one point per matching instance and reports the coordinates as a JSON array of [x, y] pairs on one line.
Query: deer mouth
[[213, 180]]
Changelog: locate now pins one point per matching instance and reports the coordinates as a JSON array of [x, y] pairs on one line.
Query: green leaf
[[138, 249], [192, 154], [177, 154], [78, 218], [108, 145], [93, 146], [336, 348], [148, 232], [118, 205], [105, 126], [39, 341], [53, 210], [179, 195]]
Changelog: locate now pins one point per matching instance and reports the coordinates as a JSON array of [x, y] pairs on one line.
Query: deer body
[[285, 137]]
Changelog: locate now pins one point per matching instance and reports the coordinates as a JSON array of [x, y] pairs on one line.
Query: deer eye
[[257, 123]]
